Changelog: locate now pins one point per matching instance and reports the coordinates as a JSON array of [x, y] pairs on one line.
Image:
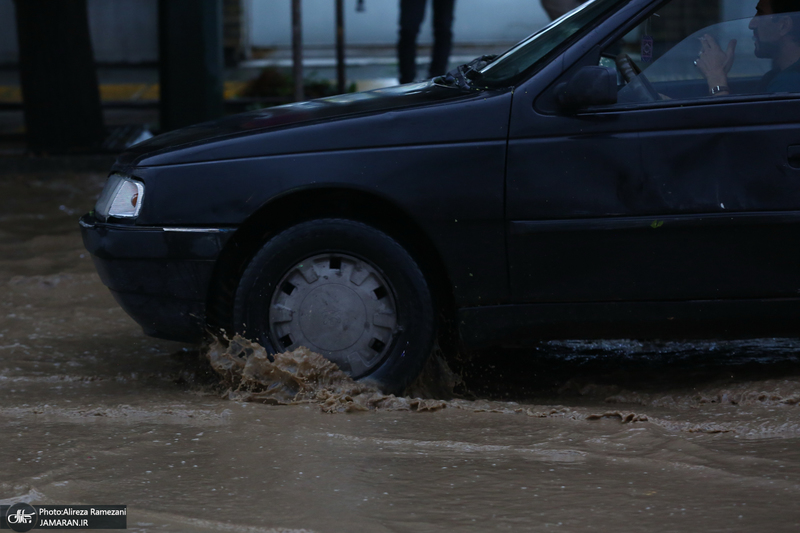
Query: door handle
[[793, 155]]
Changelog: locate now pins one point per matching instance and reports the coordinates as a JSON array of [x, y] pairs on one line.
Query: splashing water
[[299, 376]]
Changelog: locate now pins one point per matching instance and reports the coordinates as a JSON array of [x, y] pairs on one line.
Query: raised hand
[[713, 62]]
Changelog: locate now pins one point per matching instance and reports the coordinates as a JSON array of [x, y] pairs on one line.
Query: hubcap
[[336, 305]]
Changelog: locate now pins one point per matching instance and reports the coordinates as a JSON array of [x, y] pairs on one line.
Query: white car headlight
[[122, 197]]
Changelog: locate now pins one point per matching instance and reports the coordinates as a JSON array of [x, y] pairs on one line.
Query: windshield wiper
[[464, 75]]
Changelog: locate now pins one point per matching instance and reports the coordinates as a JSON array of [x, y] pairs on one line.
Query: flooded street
[[617, 436]]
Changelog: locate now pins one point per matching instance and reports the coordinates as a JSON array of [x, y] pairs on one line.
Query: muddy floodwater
[[571, 436]]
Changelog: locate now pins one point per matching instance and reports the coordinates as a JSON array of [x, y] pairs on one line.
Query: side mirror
[[590, 86]]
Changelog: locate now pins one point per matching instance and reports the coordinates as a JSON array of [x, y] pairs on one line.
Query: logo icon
[[21, 517]]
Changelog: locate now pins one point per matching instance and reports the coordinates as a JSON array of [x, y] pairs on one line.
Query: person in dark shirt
[[411, 14], [776, 32]]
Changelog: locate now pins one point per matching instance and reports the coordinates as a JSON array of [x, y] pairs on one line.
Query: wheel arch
[[324, 202]]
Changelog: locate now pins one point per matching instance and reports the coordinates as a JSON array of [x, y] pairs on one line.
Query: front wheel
[[345, 290]]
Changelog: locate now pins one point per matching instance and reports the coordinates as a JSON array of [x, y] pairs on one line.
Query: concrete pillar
[[191, 73]]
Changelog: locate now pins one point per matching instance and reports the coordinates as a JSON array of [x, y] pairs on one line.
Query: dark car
[[596, 180]]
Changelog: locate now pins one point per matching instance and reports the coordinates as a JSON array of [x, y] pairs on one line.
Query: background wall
[[8, 32], [125, 31], [476, 21]]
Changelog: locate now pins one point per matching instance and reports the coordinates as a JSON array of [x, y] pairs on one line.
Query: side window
[[696, 50]]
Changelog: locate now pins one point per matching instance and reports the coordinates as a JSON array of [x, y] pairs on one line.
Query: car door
[[690, 198]]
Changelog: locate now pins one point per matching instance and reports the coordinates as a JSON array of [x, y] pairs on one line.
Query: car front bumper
[[159, 275]]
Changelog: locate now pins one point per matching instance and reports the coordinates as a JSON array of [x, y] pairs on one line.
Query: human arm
[[715, 63]]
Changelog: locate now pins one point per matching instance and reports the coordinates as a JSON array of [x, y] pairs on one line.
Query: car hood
[[286, 116]]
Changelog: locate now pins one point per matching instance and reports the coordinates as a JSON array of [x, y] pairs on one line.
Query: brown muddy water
[[571, 436]]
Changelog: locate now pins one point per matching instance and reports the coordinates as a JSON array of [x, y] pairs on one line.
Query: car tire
[[345, 290]]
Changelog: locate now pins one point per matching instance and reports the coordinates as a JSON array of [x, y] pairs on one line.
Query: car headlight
[[122, 197]]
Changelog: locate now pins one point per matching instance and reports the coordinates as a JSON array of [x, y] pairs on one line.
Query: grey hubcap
[[336, 305]]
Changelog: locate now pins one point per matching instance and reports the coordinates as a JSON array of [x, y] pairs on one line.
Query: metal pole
[[341, 79], [297, 50]]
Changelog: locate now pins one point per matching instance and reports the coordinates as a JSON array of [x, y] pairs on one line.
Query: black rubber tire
[[414, 333]]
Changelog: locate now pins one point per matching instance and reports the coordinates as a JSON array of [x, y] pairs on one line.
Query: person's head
[[776, 23]]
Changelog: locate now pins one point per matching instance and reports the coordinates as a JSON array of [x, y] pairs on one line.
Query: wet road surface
[[569, 436]]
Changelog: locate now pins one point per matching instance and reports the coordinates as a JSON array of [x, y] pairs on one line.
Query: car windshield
[[522, 57]]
